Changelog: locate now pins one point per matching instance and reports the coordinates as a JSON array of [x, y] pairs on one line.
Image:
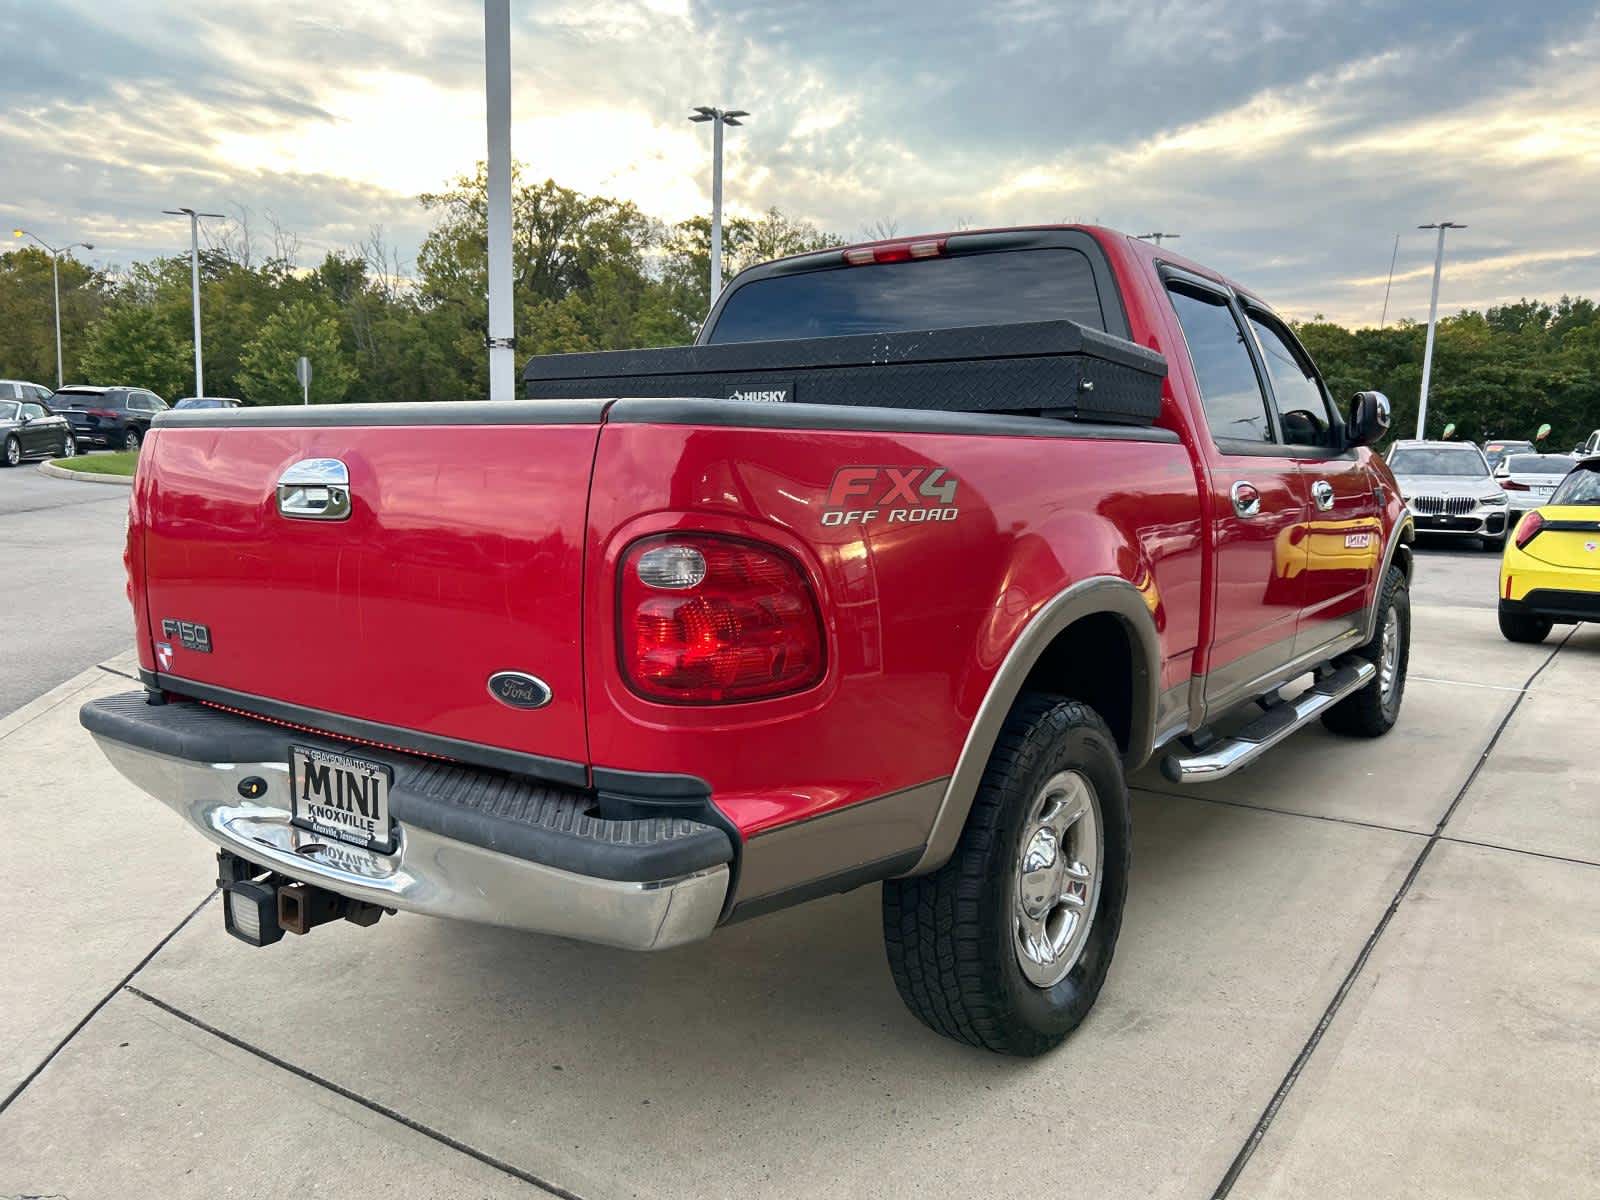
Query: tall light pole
[[55, 277], [502, 339], [194, 278], [719, 117], [1433, 315]]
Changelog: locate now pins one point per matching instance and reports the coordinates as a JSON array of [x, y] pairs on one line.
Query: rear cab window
[[999, 287]]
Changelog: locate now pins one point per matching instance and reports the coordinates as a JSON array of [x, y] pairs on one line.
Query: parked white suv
[[1450, 489]]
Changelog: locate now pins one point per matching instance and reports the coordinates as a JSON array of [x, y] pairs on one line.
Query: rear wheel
[[1006, 946], [130, 440], [1373, 710], [13, 454], [1520, 627]]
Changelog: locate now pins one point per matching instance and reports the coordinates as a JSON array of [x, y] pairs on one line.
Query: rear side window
[[998, 288], [1235, 408]]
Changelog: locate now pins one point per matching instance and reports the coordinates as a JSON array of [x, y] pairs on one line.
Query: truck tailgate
[[461, 557]]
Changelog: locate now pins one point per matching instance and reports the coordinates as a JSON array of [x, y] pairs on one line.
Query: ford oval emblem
[[518, 689]]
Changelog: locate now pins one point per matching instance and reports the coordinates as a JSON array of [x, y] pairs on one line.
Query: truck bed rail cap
[[439, 412]]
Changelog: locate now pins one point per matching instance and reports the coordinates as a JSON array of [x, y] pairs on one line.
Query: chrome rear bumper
[[427, 873]]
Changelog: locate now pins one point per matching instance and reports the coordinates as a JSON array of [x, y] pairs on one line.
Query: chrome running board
[[1223, 758]]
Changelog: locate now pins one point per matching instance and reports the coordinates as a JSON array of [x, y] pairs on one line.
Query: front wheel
[[69, 446], [130, 440], [1373, 710], [13, 454], [1006, 946]]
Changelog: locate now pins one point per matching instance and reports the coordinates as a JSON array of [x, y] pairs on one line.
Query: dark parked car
[[189, 402], [30, 430], [114, 417]]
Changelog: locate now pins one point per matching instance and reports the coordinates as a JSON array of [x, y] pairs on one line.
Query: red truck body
[[1108, 564]]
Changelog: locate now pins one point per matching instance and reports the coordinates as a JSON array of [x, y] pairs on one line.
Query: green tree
[[267, 364], [27, 315], [132, 345]]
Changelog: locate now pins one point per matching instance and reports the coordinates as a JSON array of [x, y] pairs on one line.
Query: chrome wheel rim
[[1389, 655], [13, 453], [1056, 884], [69, 448]]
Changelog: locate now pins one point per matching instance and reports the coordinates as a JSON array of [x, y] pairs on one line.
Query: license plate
[[341, 796], [1543, 493]]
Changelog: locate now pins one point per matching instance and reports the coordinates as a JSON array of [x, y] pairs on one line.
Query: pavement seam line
[[375, 1106], [102, 1002], [1566, 858], [1264, 1122]]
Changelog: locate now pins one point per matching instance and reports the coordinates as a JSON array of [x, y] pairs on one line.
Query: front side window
[[1235, 408], [32, 412], [1302, 403]]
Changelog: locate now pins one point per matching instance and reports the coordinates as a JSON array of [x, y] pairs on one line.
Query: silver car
[[1451, 490], [1528, 479]]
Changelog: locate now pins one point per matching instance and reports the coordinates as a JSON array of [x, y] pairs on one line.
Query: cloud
[[1286, 144]]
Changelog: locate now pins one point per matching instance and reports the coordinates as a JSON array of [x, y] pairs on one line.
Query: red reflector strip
[[333, 737], [1508, 587]]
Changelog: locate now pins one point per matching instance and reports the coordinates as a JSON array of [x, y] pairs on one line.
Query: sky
[[1286, 143]]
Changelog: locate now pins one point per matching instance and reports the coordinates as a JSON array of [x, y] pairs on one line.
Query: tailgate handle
[[315, 489]]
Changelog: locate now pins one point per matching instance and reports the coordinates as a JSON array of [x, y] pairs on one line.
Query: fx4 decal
[[908, 495]]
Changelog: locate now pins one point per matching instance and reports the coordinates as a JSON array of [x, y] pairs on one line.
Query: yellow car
[[1550, 574]]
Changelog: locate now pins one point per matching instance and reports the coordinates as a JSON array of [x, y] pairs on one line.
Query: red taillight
[[1511, 485], [709, 620], [1528, 529], [892, 252], [100, 412]]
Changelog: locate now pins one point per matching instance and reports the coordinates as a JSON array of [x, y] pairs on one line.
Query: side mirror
[[1369, 419]]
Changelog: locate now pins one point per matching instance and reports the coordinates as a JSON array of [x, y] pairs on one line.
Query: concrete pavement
[[1355, 969]]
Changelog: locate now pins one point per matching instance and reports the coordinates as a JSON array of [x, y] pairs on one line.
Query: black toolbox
[[1046, 368]]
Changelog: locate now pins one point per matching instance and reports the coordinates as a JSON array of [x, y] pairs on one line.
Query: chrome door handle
[[315, 489], [1246, 499], [1322, 493]]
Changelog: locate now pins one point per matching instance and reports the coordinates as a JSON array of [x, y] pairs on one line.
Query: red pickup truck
[[894, 576]]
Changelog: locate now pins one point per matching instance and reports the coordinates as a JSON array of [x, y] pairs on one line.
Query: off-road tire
[[1523, 627], [949, 935], [1372, 712]]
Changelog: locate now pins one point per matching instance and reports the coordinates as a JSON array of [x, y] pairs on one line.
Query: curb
[[48, 468]]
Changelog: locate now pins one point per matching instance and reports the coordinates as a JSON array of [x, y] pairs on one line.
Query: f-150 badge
[[898, 495]]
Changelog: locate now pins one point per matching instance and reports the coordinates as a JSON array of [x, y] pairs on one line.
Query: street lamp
[[1433, 314], [719, 118], [502, 329], [55, 273], [194, 273]]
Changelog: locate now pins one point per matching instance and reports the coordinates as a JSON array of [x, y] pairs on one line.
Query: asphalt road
[[63, 601]]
